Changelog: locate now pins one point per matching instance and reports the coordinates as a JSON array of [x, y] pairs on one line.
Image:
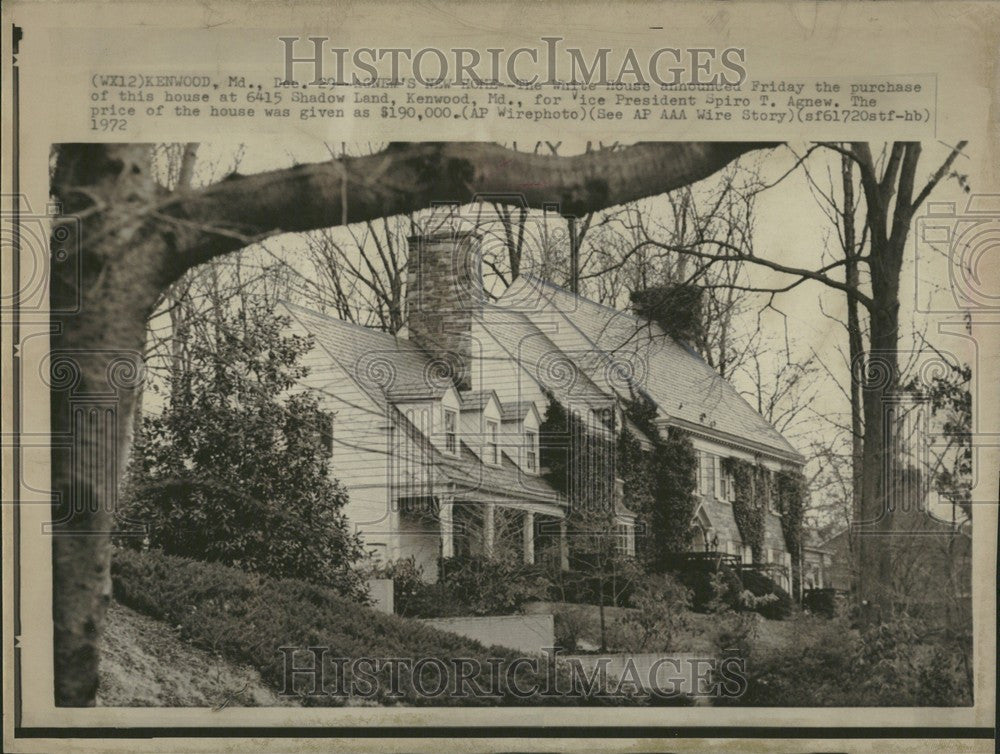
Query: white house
[[435, 433]]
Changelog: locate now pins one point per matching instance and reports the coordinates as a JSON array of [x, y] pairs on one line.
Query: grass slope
[[248, 619], [145, 663]]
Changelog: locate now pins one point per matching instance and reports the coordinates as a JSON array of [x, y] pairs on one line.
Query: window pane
[[450, 438], [531, 458], [492, 450], [708, 475]]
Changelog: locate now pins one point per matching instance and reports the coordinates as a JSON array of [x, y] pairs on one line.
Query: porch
[[430, 528]]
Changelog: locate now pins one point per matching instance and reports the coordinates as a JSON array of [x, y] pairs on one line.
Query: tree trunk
[[95, 368], [879, 464], [856, 354]]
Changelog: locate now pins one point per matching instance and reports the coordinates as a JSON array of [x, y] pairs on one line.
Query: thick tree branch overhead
[[411, 176]]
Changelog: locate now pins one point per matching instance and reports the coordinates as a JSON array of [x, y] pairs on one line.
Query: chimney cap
[[444, 235]]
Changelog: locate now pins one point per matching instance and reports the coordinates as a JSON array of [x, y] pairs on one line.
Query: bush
[[236, 468], [246, 618], [584, 583], [703, 585], [661, 612], [468, 586], [571, 624], [826, 663], [820, 601], [412, 596], [760, 586], [816, 669], [491, 586]]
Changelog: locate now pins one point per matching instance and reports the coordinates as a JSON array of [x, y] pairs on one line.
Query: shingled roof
[[384, 366], [685, 388]]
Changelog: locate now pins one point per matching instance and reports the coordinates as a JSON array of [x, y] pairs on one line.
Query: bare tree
[[634, 249], [889, 187]]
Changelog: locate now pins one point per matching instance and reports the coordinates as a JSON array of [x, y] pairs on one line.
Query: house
[[817, 562], [931, 557], [436, 432]]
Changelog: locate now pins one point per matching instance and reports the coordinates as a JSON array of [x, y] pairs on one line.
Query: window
[[707, 474], [622, 539], [725, 478], [492, 445], [450, 431], [323, 434], [769, 497], [531, 450]]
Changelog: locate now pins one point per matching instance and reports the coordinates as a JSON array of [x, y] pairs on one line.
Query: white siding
[[361, 442]]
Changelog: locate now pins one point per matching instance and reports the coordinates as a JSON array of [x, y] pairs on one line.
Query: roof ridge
[[579, 297], [350, 325]]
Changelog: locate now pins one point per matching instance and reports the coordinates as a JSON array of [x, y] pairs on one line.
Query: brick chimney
[[444, 294]]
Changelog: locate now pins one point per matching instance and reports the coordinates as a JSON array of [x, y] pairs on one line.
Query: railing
[[764, 568], [703, 560], [712, 560]]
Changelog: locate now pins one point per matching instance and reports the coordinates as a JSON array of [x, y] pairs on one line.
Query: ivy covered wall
[[749, 501], [753, 486], [792, 497], [660, 483], [576, 459]]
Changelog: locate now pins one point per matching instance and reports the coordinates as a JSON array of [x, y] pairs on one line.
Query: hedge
[[247, 618], [760, 585]]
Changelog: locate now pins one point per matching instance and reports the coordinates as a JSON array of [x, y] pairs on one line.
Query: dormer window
[[492, 443], [451, 430], [531, 450]]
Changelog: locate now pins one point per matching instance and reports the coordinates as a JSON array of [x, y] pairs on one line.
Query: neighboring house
[[817, 563], [435, 432], [931, 558]]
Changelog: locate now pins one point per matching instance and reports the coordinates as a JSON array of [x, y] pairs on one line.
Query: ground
[[145, 663], [697, 637]]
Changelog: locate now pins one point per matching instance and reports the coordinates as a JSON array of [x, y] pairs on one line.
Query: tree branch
[[413, 176]]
